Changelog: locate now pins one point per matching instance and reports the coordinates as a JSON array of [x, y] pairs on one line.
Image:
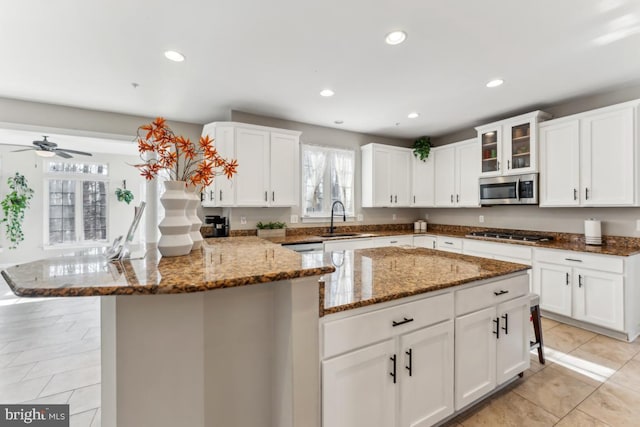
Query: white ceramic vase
[[175, 227], [192, 214]]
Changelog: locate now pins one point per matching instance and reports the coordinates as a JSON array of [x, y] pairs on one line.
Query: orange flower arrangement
[[196, 164]]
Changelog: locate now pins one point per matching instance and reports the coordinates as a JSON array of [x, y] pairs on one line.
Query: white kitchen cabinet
[[560, 163], [221, 192], [423, 182], [513, 347], [510, 146], [386, 176], [284, 171], [252, 179], [520, 254], [590, 159], [599, 298], [492, 342], [398, 359], [425, 241], [357, 390], [554, 287], [586, 287], [475, 371], [379, 242], [456, 174], [449, 244], [261, 180], [426, 388]]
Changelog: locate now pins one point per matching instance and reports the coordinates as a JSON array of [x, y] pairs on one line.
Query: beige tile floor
[[50, 353], [588, 380]]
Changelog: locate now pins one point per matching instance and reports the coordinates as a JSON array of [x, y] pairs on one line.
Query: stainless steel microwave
[[509, 190]]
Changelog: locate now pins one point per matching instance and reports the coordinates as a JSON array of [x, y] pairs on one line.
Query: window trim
[[325, 216]]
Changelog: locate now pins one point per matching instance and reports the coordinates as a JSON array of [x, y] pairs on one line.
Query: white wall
[[31, 166]]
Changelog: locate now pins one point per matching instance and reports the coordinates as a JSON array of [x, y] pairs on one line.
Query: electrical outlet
[[360, 218], [481, 219], [243, 220], [294, 219], [394, 217], [426, 216], [638, 225]]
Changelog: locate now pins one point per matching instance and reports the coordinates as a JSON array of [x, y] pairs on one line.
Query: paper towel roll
[[592, 232]]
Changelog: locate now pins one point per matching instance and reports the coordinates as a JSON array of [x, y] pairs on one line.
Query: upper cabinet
[[510, 146], [456, 173], [386, 176], [261, 180], [590, 159], [422, 181]]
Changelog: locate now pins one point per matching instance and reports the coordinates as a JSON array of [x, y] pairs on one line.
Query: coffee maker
[[220, 227]]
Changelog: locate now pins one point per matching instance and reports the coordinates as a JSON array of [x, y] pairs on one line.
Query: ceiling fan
[[46, 148]]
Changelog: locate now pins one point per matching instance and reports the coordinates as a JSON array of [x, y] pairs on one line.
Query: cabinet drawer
[[425, 241], [450, 244], [502, 251], [345, 244], [380, 242], [479, 297], [342, 335], [612, 264]]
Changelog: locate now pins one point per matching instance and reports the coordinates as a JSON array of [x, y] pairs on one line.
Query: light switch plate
[[360, 218], [243, 220], [394, 217], [294, 219], [426, 216], [638, 225], [481, 219]]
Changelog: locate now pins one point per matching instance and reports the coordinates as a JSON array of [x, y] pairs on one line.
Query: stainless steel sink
[[340, 234]]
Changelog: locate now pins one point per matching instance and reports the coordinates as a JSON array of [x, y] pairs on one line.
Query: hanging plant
[[422, 147], [124, 195], [13, 207]]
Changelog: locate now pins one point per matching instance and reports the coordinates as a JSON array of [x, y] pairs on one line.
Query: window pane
[[327, 176], [62, 211], [94, 210]]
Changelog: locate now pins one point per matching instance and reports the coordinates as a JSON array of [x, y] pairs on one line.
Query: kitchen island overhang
[[246, 354]]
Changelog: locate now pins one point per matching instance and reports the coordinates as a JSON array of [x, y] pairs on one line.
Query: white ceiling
[[274, 57]]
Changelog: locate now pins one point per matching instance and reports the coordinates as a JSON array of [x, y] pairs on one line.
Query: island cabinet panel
[[389, 367], [491, 337], [426, 386], [357, 388]]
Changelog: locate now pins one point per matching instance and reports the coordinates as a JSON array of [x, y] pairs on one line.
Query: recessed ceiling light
[[413, 115], [395, 37], [495, 83], [327, 92], [174, 56], [338, 122]]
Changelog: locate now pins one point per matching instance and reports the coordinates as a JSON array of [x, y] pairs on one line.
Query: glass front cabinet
[[510, 146]]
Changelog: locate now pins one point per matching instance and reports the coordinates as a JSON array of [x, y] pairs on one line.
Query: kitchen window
[[327, 176], [77, 203]]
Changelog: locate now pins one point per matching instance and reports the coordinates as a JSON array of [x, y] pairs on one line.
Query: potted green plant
[[271, 229], [124, 195], [422, 147], [14, 204]]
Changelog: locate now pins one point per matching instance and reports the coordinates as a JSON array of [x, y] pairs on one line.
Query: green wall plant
[[14, 205]]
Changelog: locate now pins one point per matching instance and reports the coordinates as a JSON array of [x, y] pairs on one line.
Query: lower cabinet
[[357, 390], [596, 296], [389, 367], [492, 346], [409, 378]]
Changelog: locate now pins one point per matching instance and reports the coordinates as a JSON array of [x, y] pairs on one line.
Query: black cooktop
[[512, 236]]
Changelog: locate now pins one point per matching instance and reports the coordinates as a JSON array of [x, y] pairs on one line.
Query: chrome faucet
[[344, 214]]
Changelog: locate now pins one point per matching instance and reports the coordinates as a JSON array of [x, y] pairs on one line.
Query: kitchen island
[[247, 351]]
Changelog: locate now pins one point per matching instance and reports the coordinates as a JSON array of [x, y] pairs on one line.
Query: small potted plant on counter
[[271, 229]]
